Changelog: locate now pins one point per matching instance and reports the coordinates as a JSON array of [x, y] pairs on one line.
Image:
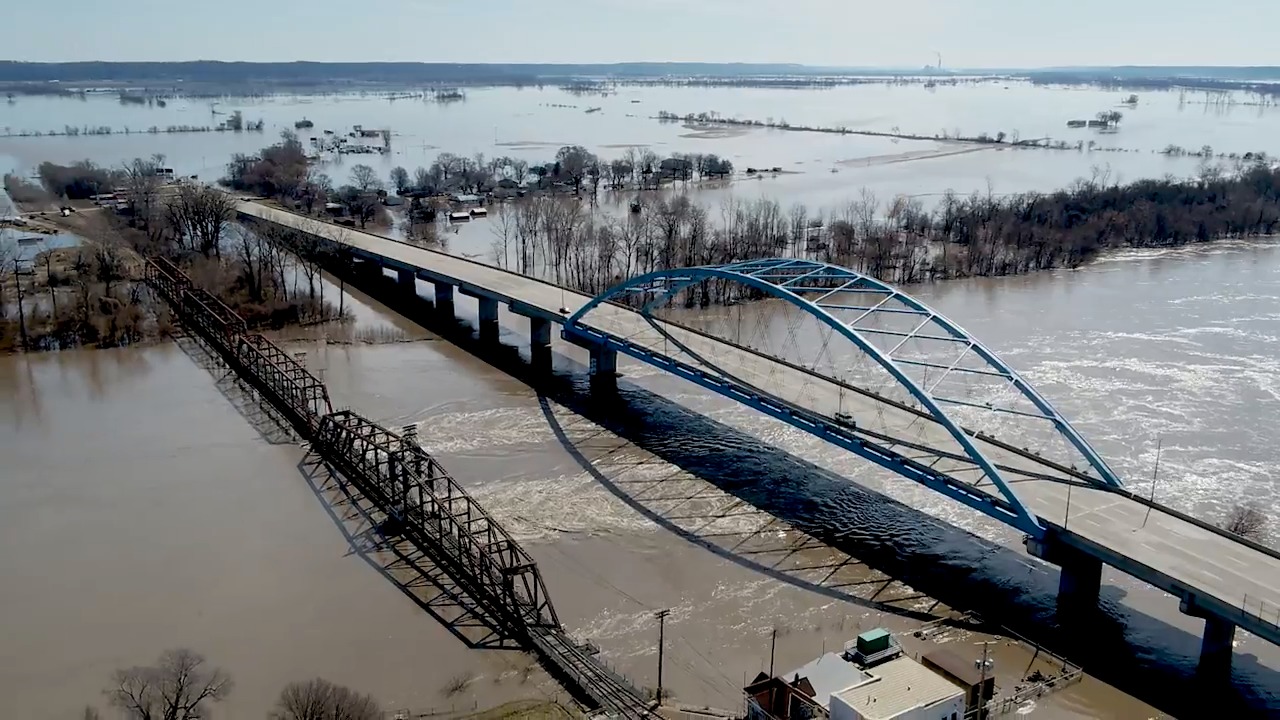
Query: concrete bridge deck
[[1217, 576]]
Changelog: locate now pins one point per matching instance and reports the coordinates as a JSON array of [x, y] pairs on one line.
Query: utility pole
[[773, 644], [662, 626], [1154, 474], [22, 314], [982, 683], [53, 292]]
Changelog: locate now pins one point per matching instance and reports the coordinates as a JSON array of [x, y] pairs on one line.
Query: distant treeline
[[1171, 82], [372, 72]]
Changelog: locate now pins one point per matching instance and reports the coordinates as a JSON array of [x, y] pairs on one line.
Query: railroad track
[[613, 694]]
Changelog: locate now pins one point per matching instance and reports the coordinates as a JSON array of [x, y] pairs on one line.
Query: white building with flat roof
[[901, 689]]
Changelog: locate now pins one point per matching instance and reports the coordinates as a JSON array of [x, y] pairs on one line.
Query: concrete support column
[[407, 284], [604, 368], [1081, 573], [540, 343], [488, 319], [1080, 581], [1216, 646], [444, 300]]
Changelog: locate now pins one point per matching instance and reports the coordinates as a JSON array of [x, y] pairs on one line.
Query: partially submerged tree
[[400, 179], [365, 179], [1246, 521], [180, 686], [320, 699]]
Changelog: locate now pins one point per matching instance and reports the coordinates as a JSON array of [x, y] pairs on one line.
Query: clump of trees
[[77, 181], [69, 297], [277, 170], [181, 685], [898, 241], [24, 192], [320, 699]]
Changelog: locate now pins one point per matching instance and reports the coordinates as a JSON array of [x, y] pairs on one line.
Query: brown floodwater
[[146, 504]]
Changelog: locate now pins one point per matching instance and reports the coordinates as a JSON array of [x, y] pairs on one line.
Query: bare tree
[[1246, 521], [320, 699], [503, 227], [400, 179], [91, 713], [575, 163], [363, 205], [178, 687], [423, 180], [142, 185], [200, 215], [365, 178]]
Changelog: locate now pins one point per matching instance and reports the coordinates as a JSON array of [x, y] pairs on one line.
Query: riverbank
[[91, 293]]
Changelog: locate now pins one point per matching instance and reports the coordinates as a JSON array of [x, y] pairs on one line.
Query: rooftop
[[897, 686], [964, 671], [828, 674]]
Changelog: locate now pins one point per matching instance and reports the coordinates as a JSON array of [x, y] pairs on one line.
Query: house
[[967, 675], [870, 680], [675, 168]]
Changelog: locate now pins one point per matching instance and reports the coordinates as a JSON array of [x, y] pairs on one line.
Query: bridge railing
[[1267, 612]]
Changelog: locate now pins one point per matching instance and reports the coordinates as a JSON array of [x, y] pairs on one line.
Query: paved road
[[1228, 578]]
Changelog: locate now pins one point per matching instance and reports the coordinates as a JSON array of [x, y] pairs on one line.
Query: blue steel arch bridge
[[868, 368], [836, 335]]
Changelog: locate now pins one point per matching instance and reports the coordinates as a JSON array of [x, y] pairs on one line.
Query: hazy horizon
[[907, 34]]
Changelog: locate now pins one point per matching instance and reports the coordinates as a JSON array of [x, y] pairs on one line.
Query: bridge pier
[[540, 343], [1080, 579], [407, 284], [444, 300], [604, 368], [1216, 644], [488, 319]]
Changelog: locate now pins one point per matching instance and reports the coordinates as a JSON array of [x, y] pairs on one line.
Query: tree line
[[181, 685], [898, 241], [562, 237]]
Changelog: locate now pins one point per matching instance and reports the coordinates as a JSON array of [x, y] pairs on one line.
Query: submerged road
[[1218, 576]]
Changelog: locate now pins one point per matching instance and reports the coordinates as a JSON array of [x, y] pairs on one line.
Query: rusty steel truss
[[433, 512], [412, 487]]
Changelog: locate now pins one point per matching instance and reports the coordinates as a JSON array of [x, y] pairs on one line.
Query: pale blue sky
[[968, 33]]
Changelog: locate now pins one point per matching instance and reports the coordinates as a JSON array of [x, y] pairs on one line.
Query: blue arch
[[790, 280]]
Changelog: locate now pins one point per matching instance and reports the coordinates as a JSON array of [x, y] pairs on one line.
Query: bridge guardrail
[[1267, 612]]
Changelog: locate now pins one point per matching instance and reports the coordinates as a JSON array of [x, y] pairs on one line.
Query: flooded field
[[532, 123]]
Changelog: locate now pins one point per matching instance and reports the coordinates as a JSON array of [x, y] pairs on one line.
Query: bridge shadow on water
[[375, 538], [370, 534], [1126, 647]]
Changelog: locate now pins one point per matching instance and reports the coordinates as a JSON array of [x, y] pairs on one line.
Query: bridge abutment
[[1080, 579], [604, 368], [540, 343], [444, 300]]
